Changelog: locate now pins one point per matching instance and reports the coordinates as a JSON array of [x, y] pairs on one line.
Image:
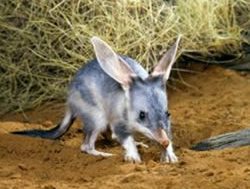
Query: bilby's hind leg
[[89, 145], [92, 128]]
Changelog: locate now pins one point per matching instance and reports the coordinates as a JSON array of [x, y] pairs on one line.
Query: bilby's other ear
[[165, 64], [111, 63]]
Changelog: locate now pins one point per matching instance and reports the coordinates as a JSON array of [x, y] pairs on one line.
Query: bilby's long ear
[[165, 64], [111, 63]]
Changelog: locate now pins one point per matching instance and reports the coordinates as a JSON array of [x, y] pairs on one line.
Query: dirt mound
[[216, 101]]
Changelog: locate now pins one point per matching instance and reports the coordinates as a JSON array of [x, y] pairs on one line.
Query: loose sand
[[217, 101]]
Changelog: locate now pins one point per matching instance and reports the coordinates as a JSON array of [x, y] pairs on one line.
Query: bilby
[[114, 92]]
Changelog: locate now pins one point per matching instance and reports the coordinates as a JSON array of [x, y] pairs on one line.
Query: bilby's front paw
[[132, 157], [131, 152], [169, 157]]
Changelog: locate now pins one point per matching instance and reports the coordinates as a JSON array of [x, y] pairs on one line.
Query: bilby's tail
[[53, 133]]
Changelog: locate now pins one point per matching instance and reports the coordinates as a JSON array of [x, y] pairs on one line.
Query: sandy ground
[[214, 101]]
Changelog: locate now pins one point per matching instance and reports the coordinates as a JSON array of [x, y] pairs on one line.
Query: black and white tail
[[53, 133]]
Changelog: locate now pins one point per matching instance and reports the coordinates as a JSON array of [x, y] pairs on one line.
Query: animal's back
[[91, 76], [96, 88]]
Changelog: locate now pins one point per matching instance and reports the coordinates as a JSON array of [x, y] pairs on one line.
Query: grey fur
[[115, 92]]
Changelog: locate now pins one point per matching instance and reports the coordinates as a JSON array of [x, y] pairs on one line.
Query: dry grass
[[43, 43]]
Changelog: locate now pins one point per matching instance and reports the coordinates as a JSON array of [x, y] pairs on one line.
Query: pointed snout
[[162, 137], [159, 134]]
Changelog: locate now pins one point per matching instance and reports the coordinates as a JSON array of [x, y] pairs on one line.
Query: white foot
[[131, 153], [169, 156], [132, 158], [94, 152]]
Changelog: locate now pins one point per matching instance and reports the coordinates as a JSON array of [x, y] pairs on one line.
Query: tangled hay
[[43, 43]]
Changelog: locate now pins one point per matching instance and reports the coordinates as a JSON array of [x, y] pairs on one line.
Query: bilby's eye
[[167, 114], [142, 115]]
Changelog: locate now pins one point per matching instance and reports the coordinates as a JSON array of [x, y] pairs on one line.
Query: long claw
[[98, 153], [95, 152], [169, 158], [131, 152], [141, 144], [132, 159], [168, 155]]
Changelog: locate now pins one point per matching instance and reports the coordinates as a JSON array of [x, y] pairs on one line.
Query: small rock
[[46, 158], [203, 169], [174, 173], [140, 168], [247, 170], [152, 163], [57, 150], [49, 187], [85, 179], [182, 162], [218, 179], [130, 177], [220, 172], [23, 167], [16, 176], [209, 174], [231, 159]]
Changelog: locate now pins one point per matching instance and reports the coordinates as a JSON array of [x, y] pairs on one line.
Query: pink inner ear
[[158, 70], [111, 63], [165, 64]]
